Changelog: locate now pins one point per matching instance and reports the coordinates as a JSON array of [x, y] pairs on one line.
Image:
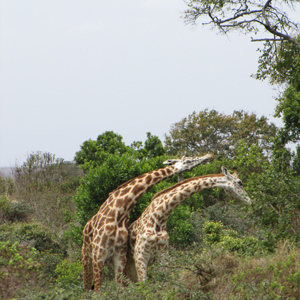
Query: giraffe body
[[148, 236], [105, 236]]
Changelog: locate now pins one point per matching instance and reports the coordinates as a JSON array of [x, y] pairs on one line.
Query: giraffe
[[148, 236], [105, 236]]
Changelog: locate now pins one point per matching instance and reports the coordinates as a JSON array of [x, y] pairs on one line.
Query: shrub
[[6, 186], [276, 278], [68, 273], [277, 202], [19, 266], [179, 226], [215, 234], [14, 211], [41, 238]]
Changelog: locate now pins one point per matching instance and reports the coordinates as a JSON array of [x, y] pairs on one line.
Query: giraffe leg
[[87, 268], [119, 260], [144, 250], [98, 274], [130, 271], [141, 264], [98, 265]]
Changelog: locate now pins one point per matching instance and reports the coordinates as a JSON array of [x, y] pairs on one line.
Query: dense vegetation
[[220, 248]]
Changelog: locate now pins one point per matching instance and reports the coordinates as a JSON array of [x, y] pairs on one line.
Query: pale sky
[[71, 70]]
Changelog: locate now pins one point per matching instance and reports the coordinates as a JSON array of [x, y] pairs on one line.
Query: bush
[[232, 215], [215, 234], [6, 186], [278, 278], [68, 273], [14, 211], [179, 226], [19, 267], [277, 202], [41, 238]]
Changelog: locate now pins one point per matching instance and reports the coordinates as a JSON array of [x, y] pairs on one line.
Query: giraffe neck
[[166, 201], [125, 196]]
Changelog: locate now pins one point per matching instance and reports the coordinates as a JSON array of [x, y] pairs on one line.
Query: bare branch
[[247, 16], [266, 39], [273, 29]]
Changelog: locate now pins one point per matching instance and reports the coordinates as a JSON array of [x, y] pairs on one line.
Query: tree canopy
[[108, 163], [211, 131], [93, 153], [269, 22]]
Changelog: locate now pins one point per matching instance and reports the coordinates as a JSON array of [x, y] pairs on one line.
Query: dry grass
[[268, 277], [219, 274]]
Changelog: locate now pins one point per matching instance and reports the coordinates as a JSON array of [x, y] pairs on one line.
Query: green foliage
[[40, 237], [232, 215], [277, 202], [153, 147], [212, 132], [14, 211], [38, 173], [296, 161], [11, 256], [250, 160], [17, 264], [282, 66], [68, 273], [215, 234], [289, 107], [276, 280], [44, 186], [99, 182], [6, 186], [94, 153], [179, 226]]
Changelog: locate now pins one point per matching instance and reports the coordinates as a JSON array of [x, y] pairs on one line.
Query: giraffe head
[[188, 163], [234, 186]]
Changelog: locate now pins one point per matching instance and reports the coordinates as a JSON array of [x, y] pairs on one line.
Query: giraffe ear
[[226, 172]]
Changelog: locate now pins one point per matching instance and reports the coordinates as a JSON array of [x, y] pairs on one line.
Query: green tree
[[296, 161], [108, 163], [152, 147], [284, 71], [210, 131], [45, 184], [280, 56], [93, 153], [277, 202], [40, 171]]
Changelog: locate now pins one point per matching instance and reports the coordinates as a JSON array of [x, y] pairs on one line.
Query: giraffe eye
[[240, 183]]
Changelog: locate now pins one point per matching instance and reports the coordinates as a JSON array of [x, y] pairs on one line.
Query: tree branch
[[266, 39], [273, 29], [233, 14]]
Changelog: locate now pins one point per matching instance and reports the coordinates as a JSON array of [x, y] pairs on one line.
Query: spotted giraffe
[[105, 235], [148, 236]]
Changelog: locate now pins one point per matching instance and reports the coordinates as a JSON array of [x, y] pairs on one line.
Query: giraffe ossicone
[[105, 236], [148, 236]]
